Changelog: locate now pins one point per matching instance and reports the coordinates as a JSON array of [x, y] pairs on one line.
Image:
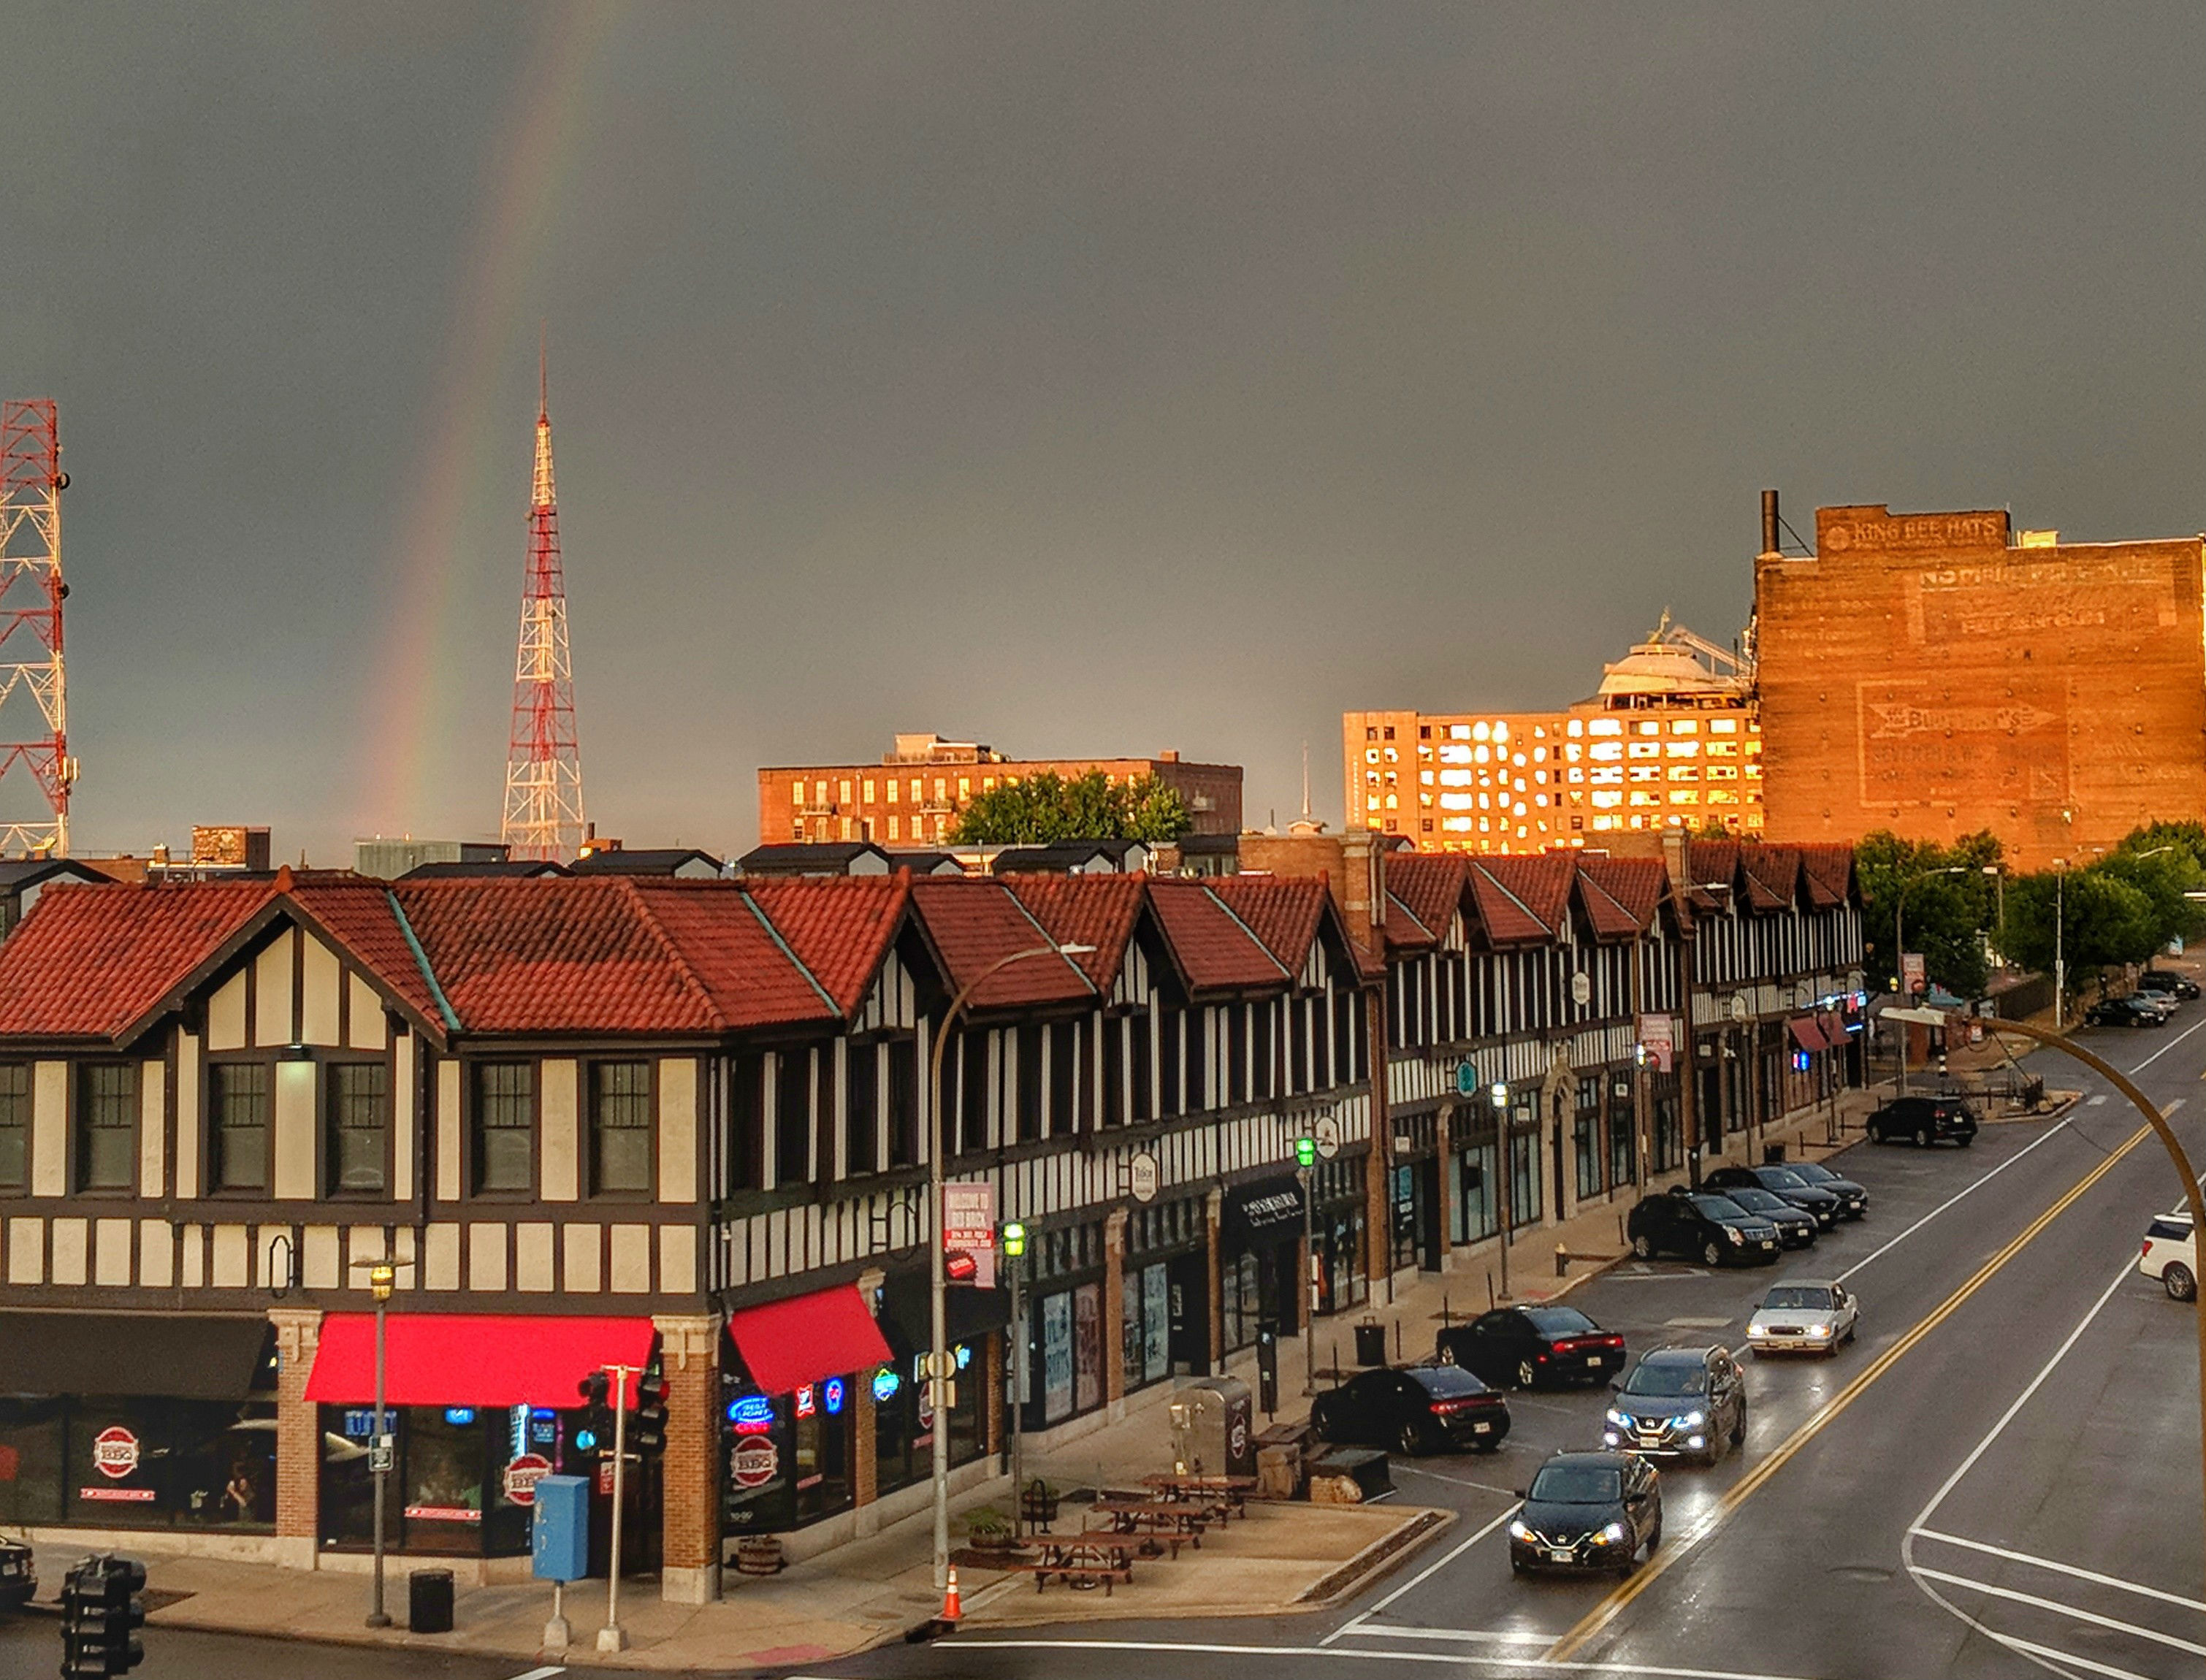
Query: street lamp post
[[1899, 941], [382, 1281], [1505, 1160], [939, 1361], [2060, 945]]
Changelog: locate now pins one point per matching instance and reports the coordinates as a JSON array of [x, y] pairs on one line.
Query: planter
[[759, 1554], [1038, 1504]]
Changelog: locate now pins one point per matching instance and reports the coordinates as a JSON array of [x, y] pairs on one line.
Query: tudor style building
[[685, 1124]]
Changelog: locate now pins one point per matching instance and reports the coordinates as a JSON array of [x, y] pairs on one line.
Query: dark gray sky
[[1087, 379]]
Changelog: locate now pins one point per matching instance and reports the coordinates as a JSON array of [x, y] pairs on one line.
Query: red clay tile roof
[[1829, 870], [1773, 876], [1541, 881], [1428, 886], [1708, 862], [1638, 884], [1283, 914], [840, 928], [1098, 911], [358, 915], [90, 961], [972, 923], [1503, 915], [1215, 950], [1604, 912]]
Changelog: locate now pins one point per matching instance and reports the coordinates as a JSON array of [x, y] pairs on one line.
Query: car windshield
[[1718, 1208], [1665, 1377], [1560, 1320], [1447, 1382], [1578, 1485], [1782, 1178], [1814, 1174], [1759, 1201], [1798, 1297]]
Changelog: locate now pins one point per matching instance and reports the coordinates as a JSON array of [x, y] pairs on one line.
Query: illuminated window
[[1501, 731], [1650, 728], [1723, 773], [1516, 759], [988, 782], [1606, 751], [1424, 752], [844, 786], [1753, 747], [1424, 799], [1482, 732], [1578, 775], [1604, 822], [1685, 726], [1644, 749], [1540, 776], [1392, 776], [1517, 810], [1684, 797], [1455, 802], [964, 787], [1723, 749], [1684, 749], [1605, 800], [1486, 801], [869, 791], [1722, 796], [1723, 726], [1394, 802], [1371, 776], [1486, 825], [1426, 777], [1518, 784], [1615, 774], [1605, 726], [1370, 755], [1455, 756], [1754, 772], [1393, 756], [1458, 731], [1456, 824], [1684, 772], [1481, 754], [1455, 778], [1576, 726], [894, 788], [895, 823], [1539, 755], [1539, 799], [1640, 796]]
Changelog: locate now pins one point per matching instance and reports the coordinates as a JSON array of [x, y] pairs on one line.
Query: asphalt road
[[2000, 1477]]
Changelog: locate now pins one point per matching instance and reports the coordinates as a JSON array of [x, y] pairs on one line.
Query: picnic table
[[1223, 1496], [1081, 1563], [1165, 1522]]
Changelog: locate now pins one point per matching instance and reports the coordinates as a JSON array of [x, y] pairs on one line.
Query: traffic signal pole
[[612, 1636]]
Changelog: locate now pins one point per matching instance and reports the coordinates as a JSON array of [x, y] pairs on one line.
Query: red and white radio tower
[[543, 762], [33, 697]]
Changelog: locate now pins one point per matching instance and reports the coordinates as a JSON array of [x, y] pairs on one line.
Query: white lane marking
[[1966, 1190], [1922, 1518], [1537, 1665], [1697, 1324], [2170, 1106], [2036, 1562], [2095, 1102], [1458, 1481], [2165, 1048], [2046, 1657], [540, 1674], [2067, 1610], [1473, 1635], [1426, 1573]]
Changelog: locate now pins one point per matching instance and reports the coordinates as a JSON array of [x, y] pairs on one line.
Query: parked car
[[1416, 1410], [1531, 1345], [1681, 1401], [1927, 1120], [18, 1578], [2166, 1001], [1702, 1226], [1588, 1511], [2131, 1011], [2166, 979], [2170, 1253], [1820, 1205], [1853, 1198], [1795, 1229], [1803, 1317]]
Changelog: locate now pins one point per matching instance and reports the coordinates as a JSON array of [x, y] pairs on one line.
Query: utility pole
[[1015, 1259], [1506, 1148], [612, 1636]]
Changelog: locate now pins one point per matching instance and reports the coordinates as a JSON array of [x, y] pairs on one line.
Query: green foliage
[[1048, 808], [1948, 901], [2118, 909]]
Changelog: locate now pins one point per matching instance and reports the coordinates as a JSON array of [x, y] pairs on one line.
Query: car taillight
[[2145, 1251]]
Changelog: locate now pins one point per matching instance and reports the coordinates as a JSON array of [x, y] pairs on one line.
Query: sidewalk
[[874, 1591]]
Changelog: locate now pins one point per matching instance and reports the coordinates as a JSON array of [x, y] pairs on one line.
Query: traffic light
[[1015, 1239], [647, 1430], [1305, 1151], [101, 1613], [595, 1432]]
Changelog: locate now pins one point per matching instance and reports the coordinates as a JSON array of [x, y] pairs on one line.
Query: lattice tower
[[34, 691], [543, 762]]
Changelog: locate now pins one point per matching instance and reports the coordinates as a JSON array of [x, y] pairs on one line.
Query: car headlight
[[1613, 1532], [1731, 1231], [1757, 1330], [1694, 1420], [1518, 1531], [1818, 1331], [1617, 1418]]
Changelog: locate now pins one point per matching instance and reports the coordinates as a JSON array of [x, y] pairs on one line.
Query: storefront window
[[1586, 1137], [1242, 1298], [1402, 1224], [454, 1482], [138, 1462], [1341, 1277], [1524, 1178], [789, 1455], [1145, 1345], [1477, 1208], [1669, 1139], [904, 1423], [1623, 1143]]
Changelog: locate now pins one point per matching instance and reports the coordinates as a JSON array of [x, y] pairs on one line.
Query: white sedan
[[2171, 1254], [1803, 1317]]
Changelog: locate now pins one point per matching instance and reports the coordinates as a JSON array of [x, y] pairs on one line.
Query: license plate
[[1480, 1429], [1554, 1557], [1769, 1245], [1593, 1358]]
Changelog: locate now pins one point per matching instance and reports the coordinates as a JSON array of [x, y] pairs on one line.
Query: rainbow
[[474, 451]]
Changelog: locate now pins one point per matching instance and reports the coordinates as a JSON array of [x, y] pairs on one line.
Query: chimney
[[1769, 522]]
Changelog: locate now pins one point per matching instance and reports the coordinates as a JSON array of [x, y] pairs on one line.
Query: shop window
[[359, 1150], [14, 1125], [138, 1463], [107, 1126], [1477, 1213], [792, 1117], [1623, 1143], [861, 1108], [1586, 1138], [504, 1127], [1146, 1344]]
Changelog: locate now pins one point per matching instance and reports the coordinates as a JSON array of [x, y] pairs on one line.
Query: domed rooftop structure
[[1673, 662]]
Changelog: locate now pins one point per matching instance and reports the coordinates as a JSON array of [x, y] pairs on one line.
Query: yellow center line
[[1612, 1606]]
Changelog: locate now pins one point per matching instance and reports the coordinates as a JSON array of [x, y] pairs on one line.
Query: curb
[[1373, 1559]]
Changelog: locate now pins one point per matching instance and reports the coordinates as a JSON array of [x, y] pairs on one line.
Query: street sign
[[968, 1228], [1466, 1078], [382, 1455], [1143, 1177], [1328, 1130], [1581, 988]]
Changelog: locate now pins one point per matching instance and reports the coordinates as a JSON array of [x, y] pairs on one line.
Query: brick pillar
[[865, 1438], [1442, 1126], [996, 1363], [689, 1500], [1114, 1306], [298, 1438], [1213, 1210], [1378, 1205]]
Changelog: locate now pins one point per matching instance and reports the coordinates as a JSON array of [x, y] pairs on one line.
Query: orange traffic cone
[[952, 1610]]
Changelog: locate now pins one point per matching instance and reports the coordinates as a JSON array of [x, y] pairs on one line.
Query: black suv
[[1690, 1402], [2165, 980], [1822, 1205], [1927, 1120], [1703, 1226]]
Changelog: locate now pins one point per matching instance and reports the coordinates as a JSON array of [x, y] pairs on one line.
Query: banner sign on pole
[[1656, 1038], [968, 1233]]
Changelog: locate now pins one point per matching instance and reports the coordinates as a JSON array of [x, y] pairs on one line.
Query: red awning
[[788, 1343], [1834, 1028], [470, 1359], [1806, 1033]]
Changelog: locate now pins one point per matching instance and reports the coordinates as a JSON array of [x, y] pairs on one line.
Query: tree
[[1047, 807], [2102, 921], [1947, 914]]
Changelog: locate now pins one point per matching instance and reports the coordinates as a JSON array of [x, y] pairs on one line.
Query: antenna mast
[[543, 816], [34, 694]]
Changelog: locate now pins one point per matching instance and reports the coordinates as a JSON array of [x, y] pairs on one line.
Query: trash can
[[429, 1601], [1212, 1433], [1371, 1342], [1773, 1154]]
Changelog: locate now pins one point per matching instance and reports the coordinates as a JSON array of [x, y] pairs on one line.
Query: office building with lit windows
[[1671, 739]]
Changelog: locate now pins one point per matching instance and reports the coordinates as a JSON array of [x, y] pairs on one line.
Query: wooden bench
[[1224, 1497], [1080, 1564]]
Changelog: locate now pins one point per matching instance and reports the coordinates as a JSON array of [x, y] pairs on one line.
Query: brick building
[[913, 795], [1928, 674], [1670, 740], [686, 1124]]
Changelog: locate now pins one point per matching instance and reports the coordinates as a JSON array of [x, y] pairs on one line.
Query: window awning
[[1806, 1033], [471, 1359], [183, 1357], [908, 1308], [788, 1343], [1834, 1028]]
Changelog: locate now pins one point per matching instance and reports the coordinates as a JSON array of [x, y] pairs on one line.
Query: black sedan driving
[[1418, 1410], [1588, 1511], [1531, 1346]]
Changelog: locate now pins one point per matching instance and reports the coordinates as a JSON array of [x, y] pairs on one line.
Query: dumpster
[[1213, 1434]]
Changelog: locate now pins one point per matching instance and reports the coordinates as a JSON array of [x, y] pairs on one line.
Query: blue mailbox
[[559, 1545]]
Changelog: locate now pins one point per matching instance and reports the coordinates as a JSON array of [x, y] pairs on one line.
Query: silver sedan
[[1803, 1317]]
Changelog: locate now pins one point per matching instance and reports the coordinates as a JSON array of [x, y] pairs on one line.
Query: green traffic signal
[[1305, 1151], [1015, 1239]]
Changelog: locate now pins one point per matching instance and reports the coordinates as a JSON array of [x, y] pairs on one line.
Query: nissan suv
[[1925, 1120]]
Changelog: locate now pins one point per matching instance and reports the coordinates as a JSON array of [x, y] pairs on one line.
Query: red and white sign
[[443, 1514], [1912, 978], [115, 1452], [127, 1496], [755, 1462], [968, 1228], [606, 1476], [522, 1473], [1657, 1037]]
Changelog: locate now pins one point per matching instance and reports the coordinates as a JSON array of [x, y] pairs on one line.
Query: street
[[2002, 1471]]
